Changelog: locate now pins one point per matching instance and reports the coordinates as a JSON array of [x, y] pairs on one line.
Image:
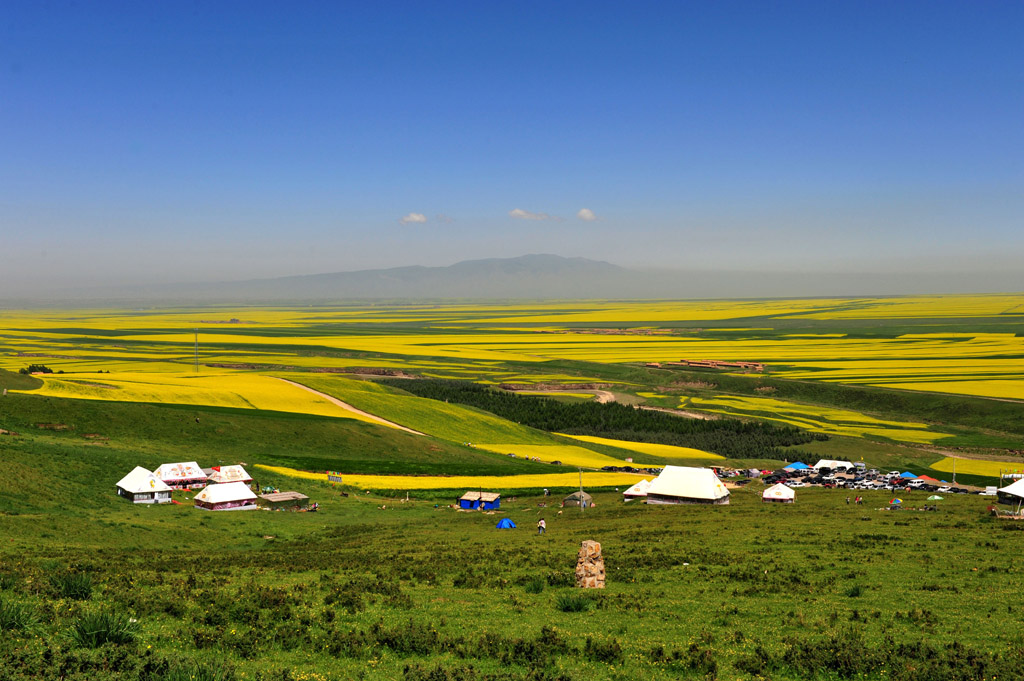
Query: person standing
[[541, 526]]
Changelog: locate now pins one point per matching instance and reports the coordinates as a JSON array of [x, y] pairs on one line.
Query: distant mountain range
[[543, 277]]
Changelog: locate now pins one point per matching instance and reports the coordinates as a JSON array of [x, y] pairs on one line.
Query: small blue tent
[[907, 474], [798, 466], [505, 524]]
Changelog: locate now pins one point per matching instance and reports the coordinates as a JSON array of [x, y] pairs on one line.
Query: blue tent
[[908, 474], [798, 466], [505, 524]]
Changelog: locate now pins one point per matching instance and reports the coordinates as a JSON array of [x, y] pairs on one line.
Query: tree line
[[729, 437]]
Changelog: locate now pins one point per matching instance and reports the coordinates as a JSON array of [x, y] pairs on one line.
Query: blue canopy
[[908, 474], [505, 524], [798, 466]]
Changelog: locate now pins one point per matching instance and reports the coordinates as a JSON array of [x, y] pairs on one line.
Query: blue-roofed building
[[486, 501]]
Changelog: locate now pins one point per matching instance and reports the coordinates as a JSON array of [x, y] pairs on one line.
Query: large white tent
[[685, 485], [229, 474], [833, 464], [143, 487], [780, 493], [637, 491], [1012, 494], [227, 496], [183, 475]]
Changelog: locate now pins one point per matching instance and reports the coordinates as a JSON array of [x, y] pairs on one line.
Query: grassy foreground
[[820, 589]]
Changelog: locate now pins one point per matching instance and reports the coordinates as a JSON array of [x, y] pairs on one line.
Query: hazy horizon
[[148, 145]]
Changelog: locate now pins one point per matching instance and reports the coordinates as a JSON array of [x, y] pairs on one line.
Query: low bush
[[74, 585], [199, 671], [15, 617], [573, 602], [93, 630]]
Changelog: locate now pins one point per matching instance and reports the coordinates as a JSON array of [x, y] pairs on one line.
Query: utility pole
[[197, 349], [582, 503]]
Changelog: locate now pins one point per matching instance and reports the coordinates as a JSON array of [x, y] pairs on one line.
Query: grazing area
[[379, 574]]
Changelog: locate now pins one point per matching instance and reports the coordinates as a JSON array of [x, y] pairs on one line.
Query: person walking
[[541, 526]]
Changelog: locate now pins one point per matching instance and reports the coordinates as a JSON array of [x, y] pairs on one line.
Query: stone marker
[[590, 566]]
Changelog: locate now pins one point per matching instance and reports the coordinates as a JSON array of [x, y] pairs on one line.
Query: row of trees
[[728, 437]]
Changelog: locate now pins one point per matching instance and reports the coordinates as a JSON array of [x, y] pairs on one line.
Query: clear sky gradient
[[147, 142]]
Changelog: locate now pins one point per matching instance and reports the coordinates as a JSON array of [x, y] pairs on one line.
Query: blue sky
[[180, 141]]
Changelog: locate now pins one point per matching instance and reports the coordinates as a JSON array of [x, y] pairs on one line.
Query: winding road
[[348, 407]]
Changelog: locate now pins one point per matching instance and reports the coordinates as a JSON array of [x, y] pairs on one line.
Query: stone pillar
[[590, 566]]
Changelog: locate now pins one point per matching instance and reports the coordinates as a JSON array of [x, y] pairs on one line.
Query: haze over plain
[[145, 145]]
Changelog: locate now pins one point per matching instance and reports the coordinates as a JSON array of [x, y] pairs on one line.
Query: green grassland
[[817, 590], [378, 587]]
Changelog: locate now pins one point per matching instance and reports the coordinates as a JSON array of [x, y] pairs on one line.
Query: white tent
[[143, 487], [226, 496], [1012, 493], [833, 464], [779, 492], [229, 474], [637, 491], [181, 475], [685, 485]]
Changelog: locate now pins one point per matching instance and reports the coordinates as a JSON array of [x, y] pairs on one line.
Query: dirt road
[[349, 407]]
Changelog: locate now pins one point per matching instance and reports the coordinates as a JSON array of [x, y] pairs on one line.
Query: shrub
[[15, 617], [199, 671], [75, 585], [573, 602], [93, 630], [7, 582], [603, 651], [534, 586], [855, 591]]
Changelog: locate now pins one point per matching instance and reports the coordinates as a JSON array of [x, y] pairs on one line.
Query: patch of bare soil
[[685, 414]]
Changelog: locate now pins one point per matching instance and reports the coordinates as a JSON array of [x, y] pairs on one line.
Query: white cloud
[[586, 214], [520, 214], [413, 217], [444, 219]]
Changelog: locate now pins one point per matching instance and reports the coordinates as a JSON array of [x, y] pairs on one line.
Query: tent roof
[[833, 463], [140, 481], [927, 478], [798, 466], [505, 524], [579, 495], [479, 496], [688, 483], [283, 496], [225, 492], [1016, 489], [639, 489], [907, 474], [186, 470], [779, 491], [229, 474]]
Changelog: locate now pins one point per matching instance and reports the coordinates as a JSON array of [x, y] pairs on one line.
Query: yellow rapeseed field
[[486, 482], [978, 466], [669, 451]]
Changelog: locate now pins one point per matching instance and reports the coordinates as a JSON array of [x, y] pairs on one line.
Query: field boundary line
[[348, 407]]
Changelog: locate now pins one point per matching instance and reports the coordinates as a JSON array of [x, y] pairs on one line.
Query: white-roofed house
[[685, 485], [222, 474], [143, 487], [227, 496], [184, 475], [637, 491], [779, 493]]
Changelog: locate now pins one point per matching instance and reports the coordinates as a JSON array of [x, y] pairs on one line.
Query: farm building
[[143, 487], [228, 496], [686, 485], [185, 475], [289, 500], [229, 474], [487, 501], [637, 491], [579, 498], [779, 493]]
